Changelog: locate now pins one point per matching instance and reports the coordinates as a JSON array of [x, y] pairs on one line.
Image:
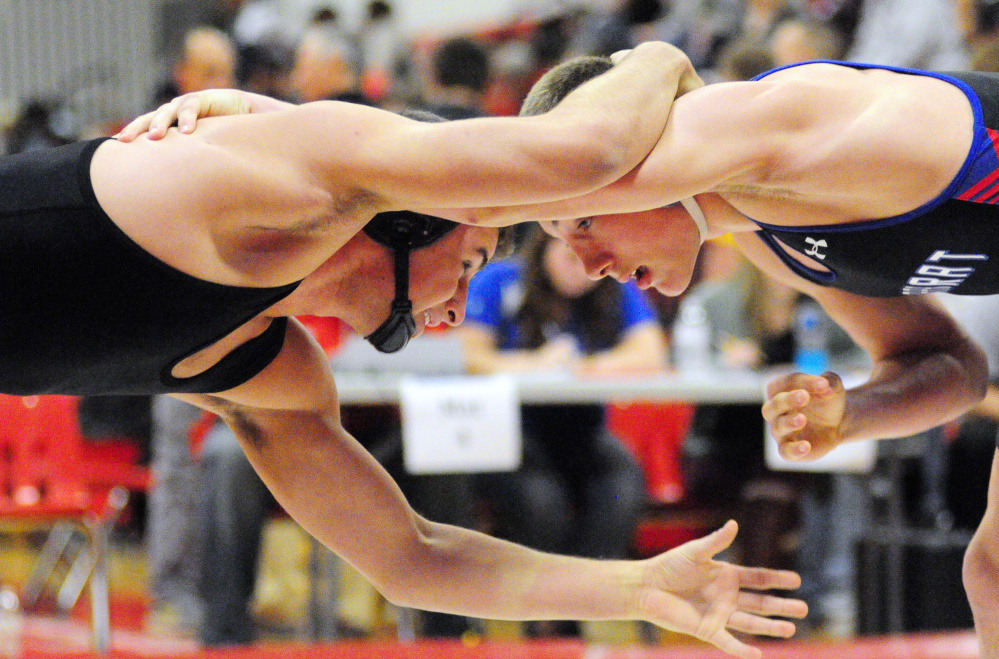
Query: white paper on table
[[460, 424], [850, 458]]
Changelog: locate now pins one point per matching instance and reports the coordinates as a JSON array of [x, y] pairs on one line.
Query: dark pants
[[578, 492], [234, 504]]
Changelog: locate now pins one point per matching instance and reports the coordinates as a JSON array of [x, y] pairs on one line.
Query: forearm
[[339, 494], [914, 392], [465, 572], [632, 99]]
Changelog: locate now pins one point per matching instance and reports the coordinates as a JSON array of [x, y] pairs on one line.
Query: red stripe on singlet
[[986, 197], [988, 180]]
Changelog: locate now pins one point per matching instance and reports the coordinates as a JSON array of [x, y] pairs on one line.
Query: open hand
[[687, 590], [804, 413], [187, 109]]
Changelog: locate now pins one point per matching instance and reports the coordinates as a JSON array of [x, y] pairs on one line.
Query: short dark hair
[[555, 85], [461, 62]]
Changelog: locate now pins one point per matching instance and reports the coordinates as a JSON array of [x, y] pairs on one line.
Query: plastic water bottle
[[692, 337], [811, 339]]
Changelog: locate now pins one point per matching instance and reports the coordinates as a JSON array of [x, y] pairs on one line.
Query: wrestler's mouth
[[642, 277]]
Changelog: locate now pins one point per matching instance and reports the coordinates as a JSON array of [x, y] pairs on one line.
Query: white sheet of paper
[[460, 424], [851, 458]]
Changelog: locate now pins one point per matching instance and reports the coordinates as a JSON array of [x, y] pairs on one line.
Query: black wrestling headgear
[[402, 232]]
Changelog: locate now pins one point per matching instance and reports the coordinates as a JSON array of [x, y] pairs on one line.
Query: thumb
[[713, 543]]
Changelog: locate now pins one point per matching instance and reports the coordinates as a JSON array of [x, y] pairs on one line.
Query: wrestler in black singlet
[[948, 245], [85, 311]]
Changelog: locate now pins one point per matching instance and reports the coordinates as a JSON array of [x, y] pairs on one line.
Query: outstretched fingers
[[769, 605], [761, 578], [725, 642], [747, 623], [156, 123]]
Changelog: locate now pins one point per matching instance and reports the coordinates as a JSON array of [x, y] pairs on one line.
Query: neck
[[338, 288]]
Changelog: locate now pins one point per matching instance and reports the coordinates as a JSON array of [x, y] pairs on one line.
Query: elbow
[[970, 367], [407, 579]]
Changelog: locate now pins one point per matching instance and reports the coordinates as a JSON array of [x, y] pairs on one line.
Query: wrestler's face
[[439, 274], [657, 248]]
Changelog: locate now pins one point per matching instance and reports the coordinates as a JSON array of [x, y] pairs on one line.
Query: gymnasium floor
[[47, 636], [38, 637]]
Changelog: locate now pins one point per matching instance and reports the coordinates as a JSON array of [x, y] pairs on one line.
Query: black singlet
[[84, 310], [950, 245]]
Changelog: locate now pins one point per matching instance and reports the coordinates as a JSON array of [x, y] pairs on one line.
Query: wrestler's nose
[[597, 265], [454, 309]]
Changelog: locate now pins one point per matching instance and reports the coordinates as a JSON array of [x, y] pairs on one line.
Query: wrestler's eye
[[466, 266], [584, 224]]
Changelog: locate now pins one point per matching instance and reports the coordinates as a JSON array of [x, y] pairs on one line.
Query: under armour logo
[[816, 244]]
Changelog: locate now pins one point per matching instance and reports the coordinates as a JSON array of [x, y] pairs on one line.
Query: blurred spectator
[[744, 60], [708, 30], [799, 40], [178, 17], [37, 126], [207, 60], [460, 77], [174, 522], [923, 35], [620, 25], [233, 503], [263, 69], [973, 437], [578, 491], [382, 44], [325, 69], [262, 23], [981, 25], [760, 18]]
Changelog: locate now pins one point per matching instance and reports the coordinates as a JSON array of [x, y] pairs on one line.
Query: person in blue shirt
[[579, 490]]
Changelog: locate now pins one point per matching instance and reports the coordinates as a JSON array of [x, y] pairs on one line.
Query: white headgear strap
[[693, 208]]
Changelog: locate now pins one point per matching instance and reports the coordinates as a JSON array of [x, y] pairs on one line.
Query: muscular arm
[[926, 369], [847, 144], [600, 132], [287, 420]]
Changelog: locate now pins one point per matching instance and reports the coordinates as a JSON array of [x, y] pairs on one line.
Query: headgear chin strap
[[697, 215], [402, 232]]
